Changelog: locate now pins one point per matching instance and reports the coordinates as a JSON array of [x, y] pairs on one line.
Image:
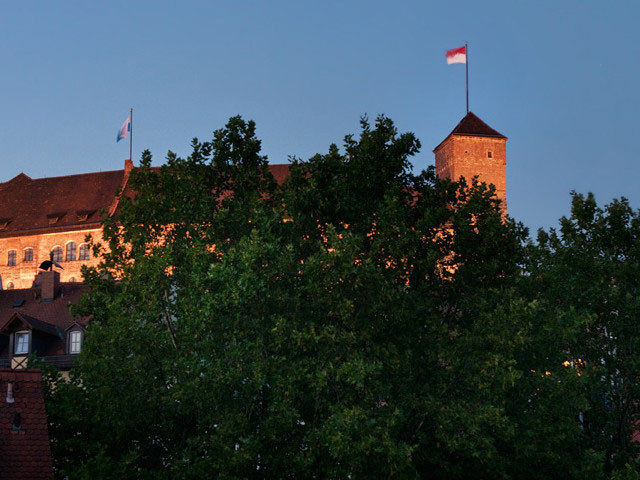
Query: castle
[[51, 218], [44, 216]]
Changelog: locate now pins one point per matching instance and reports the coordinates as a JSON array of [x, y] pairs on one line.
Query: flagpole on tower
[[466, 63], [131, 130]]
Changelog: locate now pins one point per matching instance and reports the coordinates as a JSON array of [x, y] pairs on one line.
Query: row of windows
[[21, 342], [71, 252]]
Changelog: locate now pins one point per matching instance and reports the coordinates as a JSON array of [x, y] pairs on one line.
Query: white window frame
[[17, 343], [75, 341]]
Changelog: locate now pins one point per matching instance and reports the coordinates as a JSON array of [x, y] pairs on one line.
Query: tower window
[[71, 252], [11, 258], [28, 254], [489, 154]]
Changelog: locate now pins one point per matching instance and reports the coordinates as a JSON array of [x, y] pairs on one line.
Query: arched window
[[10, 286], [11, 258], [71, 252], [28, 254], [83, 254], [57, 254]]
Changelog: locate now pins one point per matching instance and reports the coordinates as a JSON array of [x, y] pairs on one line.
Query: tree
[[592, 265], [358, 321]]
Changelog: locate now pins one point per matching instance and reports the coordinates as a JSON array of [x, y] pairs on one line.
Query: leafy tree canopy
[[359, 320]]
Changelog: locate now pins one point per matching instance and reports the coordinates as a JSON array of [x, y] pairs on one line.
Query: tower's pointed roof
[[472, 125]]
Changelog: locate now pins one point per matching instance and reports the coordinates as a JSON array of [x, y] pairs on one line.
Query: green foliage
[[358, 321], [592, 265]]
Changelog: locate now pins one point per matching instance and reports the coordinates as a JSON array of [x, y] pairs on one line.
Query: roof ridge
[[67, 176]]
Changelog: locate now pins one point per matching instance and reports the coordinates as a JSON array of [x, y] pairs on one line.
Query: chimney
[[49, 282], [128, 166]]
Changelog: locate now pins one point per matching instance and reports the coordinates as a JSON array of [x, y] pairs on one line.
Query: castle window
[[489, 154], [57, 254], [28, 254], [11, 258], [21, 346], [75, 341], [10, 286], [71, 252], [83, 254]]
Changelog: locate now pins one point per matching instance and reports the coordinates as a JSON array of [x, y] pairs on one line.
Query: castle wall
[[23, 273]]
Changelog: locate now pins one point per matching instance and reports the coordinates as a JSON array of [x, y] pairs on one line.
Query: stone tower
[[473, 148]]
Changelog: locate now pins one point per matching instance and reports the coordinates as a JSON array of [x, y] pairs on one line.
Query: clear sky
[[559, 78]]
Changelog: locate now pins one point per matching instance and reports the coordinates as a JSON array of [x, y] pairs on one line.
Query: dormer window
[[4, 222], [11, 258], [75, 342], [55, 217], [83, 215], [21, 343]]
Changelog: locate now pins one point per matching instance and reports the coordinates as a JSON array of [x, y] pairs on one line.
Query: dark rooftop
[[55, 313], [472, 125], [24, 451]]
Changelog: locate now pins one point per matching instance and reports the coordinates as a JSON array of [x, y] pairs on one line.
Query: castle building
[[53, 215], [51, 218]]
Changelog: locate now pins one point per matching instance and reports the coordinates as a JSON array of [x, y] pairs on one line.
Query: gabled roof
[[471, 125], [24, 452], [31, 322], [55, 313]]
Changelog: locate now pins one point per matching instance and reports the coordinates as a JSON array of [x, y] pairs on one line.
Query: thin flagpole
[[131, 132], [466, 63]]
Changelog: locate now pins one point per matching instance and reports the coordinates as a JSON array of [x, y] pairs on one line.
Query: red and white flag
[[457, 55]]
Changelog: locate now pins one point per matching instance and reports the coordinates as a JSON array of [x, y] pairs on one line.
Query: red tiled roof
[[280, 172], [32, 204], [61, 203], [24, 453], [55, 313]]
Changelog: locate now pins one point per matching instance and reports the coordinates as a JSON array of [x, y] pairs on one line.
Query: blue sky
[[560, 79]]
